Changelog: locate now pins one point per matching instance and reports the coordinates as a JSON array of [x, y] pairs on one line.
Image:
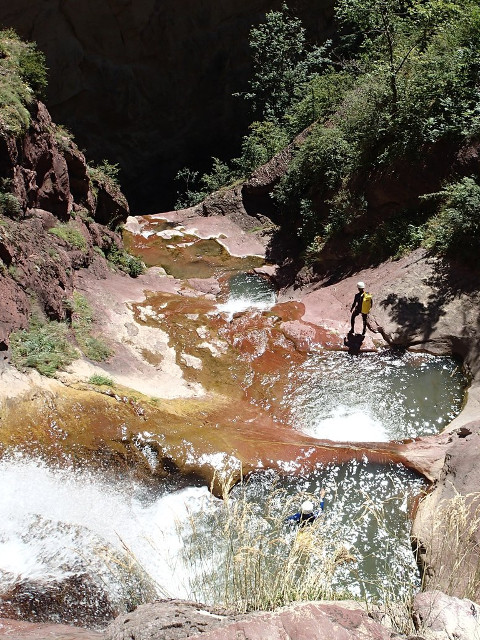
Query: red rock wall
[[51, 183], [149, 83]]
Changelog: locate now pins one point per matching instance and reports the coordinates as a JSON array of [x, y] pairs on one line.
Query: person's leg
[[364, 317], [352, 321]]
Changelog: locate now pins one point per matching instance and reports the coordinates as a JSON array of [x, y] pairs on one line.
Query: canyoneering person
[[307, 513], [362, 303]]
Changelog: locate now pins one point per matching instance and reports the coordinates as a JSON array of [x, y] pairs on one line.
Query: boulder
[[441, 617], [169, 620], [75, 599]]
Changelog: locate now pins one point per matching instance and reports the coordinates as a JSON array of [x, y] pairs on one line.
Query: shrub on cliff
[[455, 229], [70, 235], [23, 76], [125, 261], [43, 346]]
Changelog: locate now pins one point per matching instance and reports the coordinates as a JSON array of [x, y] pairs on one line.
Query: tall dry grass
[[450, 547], [254, 559]]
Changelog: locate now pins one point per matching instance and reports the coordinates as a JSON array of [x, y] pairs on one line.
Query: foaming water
[[375, 397], [57, 523], [138, 544], [366, 516], [247, 291]]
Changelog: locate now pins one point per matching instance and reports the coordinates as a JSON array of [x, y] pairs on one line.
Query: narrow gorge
[[175, 384]]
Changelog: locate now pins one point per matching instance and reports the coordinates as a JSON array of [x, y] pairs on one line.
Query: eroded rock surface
[[441, 617], [49, 178], [167, 620], [306, 621], [18, 630]]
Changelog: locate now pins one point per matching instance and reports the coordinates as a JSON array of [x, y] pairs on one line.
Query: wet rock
[[75, 599], [441, 617], [166, 620], [17, 630]]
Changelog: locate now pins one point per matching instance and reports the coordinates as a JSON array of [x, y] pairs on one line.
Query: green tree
[[282, 63], [391, 31]]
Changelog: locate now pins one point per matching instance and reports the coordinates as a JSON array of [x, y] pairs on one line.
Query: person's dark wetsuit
[[357, 310], [306, 518]]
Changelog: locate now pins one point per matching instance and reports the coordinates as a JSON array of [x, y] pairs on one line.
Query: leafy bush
[[23, 76], [125, 261], [9, 205], [319, 100], [262, 143], [455, 229], [33, 68], [105, 174], [100, 380], [319, 167], [44, 346], [69, 234]]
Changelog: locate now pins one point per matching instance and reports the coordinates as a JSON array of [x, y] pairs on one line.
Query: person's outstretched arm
[[322, 499]]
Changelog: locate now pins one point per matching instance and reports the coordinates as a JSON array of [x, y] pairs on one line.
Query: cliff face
[[50, 224], [149, 84]]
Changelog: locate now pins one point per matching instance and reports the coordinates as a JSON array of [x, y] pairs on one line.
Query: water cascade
[[131, 541]]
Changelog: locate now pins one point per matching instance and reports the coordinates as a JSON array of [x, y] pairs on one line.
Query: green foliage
[[69, 234], [82, 320], [125, 261], [23, 76], [33, 69], [320, 165], [394, 237], [100, 380], [9, 205], [455, 229], [188, 193], [282, 63], [44, 346], [262, 143], [105, 175], [105, 172], [194, 189], [319, 100]]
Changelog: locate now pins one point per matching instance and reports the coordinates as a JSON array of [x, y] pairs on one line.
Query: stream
[[137, 542]]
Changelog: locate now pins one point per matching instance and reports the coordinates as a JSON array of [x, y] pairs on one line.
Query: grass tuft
[[44, 346], [70, 235], [101, 381]]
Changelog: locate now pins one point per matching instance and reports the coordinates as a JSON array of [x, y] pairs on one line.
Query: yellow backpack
[[366, 302]]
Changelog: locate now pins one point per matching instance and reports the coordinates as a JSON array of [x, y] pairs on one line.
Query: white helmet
[[307, 507], [361, 285]]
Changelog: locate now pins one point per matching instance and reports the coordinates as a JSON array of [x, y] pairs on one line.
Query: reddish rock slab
[[18, 630], [307, 621], [446, 617], [236, 241], [174, 619]]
